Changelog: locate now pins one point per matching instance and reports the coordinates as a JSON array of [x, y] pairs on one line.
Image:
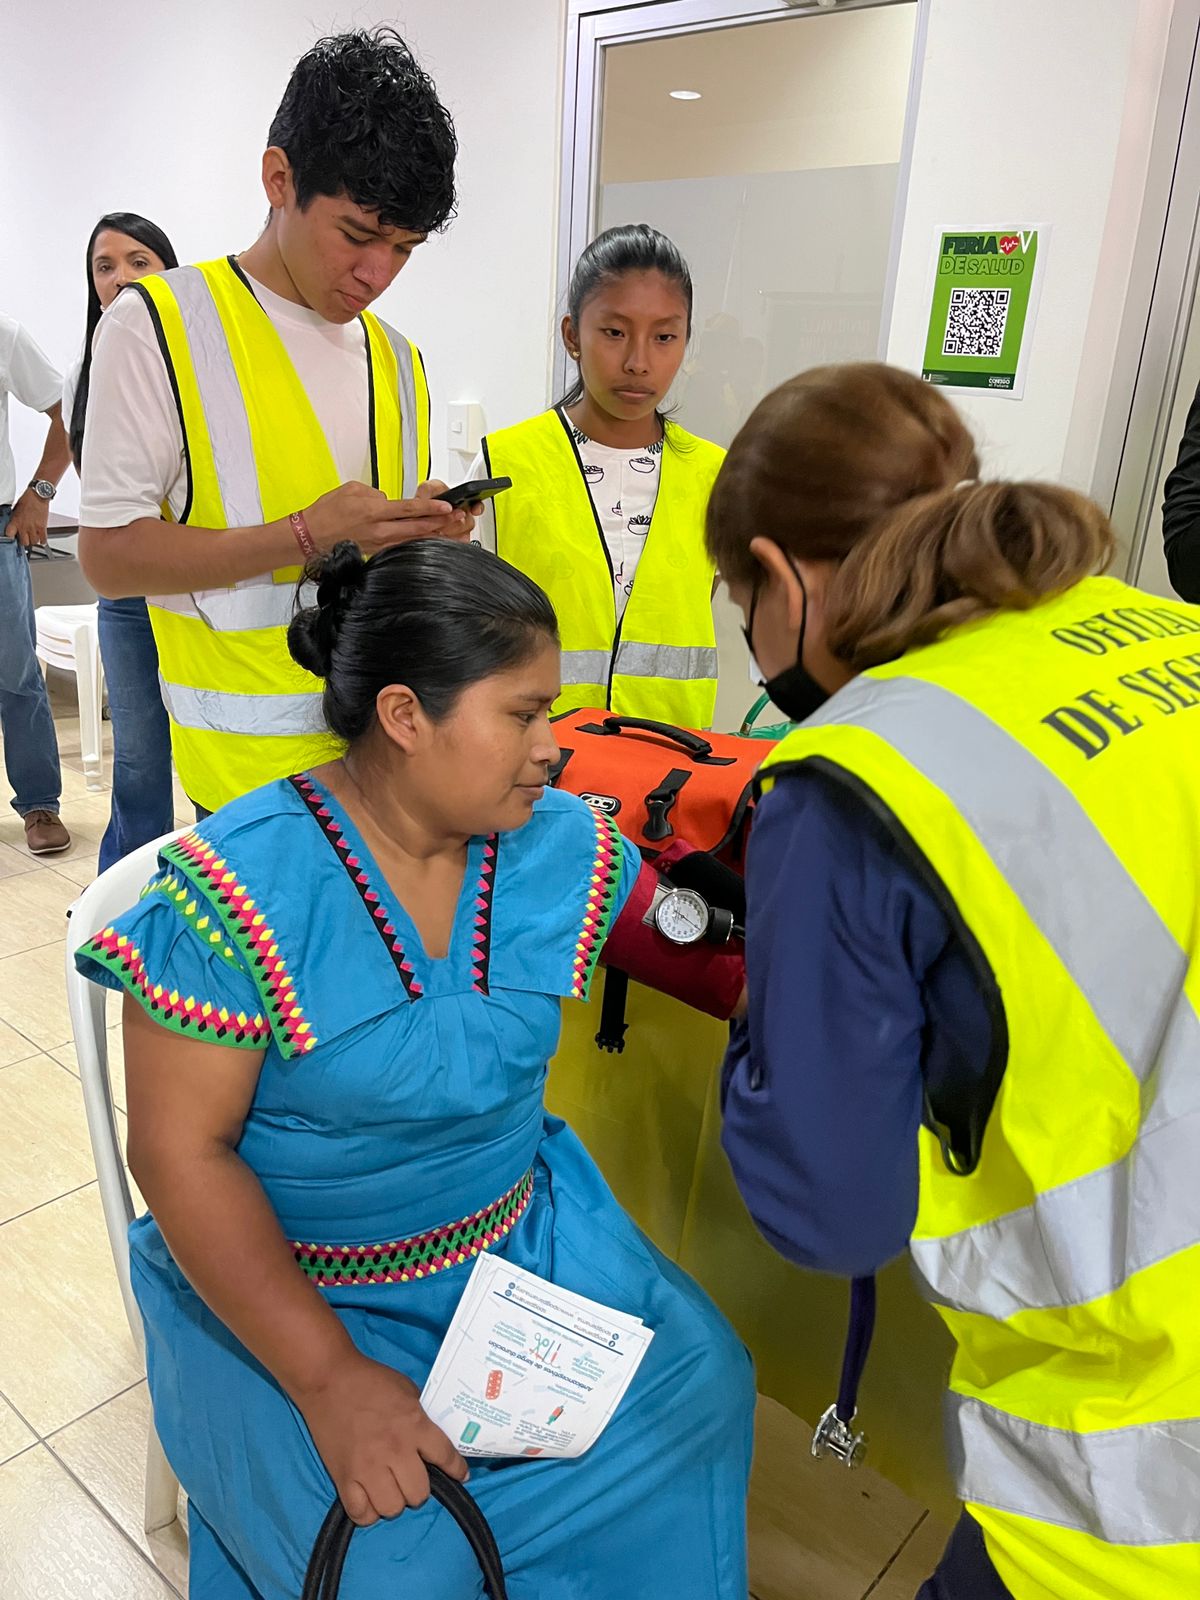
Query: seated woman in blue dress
[[341, 995]]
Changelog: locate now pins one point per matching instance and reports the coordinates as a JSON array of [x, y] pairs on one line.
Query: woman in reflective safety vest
[[974, 962], [607, 507]]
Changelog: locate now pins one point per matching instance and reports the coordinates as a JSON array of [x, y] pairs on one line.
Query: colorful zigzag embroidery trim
[[247, 927], [481, 914], [598, 911], [357, 873], [421, 1256], [197, 1019], [198, 914]]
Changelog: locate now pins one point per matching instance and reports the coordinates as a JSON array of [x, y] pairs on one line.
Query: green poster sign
[[981, 319]]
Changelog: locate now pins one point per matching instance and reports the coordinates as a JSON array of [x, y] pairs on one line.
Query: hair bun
[[312, 632], [340, 575]]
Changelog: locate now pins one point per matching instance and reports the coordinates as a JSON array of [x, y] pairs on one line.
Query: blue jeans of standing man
[[30, 743], [143, 805]]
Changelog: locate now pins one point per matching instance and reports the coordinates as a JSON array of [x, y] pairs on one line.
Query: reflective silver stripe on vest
[[585, 666], [256, 603], [682, 663], [1085, 1238], [1131, 1486], [407, 384], [258, 715], [221, 398]]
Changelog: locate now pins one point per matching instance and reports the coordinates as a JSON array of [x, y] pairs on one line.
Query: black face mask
[[794, 690]]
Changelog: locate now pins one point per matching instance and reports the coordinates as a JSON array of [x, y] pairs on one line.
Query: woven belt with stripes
[[404, 1260]]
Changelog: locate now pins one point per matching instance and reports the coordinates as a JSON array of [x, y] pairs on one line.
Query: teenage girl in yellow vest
[[974, 963], [606, 511]]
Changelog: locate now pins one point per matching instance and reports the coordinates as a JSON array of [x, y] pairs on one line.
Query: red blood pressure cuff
[[707, 977]]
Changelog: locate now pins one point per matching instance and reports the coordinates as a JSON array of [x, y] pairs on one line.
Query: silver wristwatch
[[43, 489]]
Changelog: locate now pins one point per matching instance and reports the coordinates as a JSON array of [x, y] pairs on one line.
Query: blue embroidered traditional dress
[[397, 1129]]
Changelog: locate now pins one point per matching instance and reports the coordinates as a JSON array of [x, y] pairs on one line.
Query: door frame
[[594, 25], [1160, 302]]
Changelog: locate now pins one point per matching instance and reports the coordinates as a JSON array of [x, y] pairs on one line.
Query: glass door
[[1149, 560], [770, 145], [1158, 361]]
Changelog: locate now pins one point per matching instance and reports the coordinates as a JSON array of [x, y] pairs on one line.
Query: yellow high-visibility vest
[[242, 712], [661, 661], [1043, 769]]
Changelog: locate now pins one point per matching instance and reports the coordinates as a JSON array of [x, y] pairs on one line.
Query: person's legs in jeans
[[30, 743], [143, 805]]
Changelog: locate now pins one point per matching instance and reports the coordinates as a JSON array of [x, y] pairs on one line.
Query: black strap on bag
[[613, 1026], [324, 1576], [660, 802], [559, 767]]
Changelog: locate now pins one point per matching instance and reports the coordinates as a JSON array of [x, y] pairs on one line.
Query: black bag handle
[[699, 749], [323, 1579]]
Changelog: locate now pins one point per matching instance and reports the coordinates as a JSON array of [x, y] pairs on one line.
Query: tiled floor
[[73, 1403]]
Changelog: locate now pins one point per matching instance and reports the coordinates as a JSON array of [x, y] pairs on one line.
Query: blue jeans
[[143, 805], [30, 743]]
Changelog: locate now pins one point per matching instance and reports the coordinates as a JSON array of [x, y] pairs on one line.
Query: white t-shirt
[[25, 371], [624, 488], [70, 385], [133, 446]]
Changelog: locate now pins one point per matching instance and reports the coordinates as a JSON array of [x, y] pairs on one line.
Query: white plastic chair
[[68, 637], [114, 891]]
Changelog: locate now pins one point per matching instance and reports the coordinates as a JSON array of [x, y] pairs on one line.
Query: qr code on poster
[[976, 323]]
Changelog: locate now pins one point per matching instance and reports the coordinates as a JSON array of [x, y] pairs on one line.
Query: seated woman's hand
[[367, 1423]]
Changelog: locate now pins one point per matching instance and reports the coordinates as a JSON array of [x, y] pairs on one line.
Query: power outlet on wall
[[464, 427]]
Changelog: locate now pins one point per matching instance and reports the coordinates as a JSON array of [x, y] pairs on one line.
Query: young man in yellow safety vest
[[248, 413]]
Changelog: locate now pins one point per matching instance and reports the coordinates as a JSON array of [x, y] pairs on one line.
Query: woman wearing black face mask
[[793, 689], [973, 956]]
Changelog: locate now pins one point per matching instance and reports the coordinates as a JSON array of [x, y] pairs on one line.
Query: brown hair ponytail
[[864, 465], [947, 558]]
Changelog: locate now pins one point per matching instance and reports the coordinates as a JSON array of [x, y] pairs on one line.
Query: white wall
[[1022, 109], [163, 108]]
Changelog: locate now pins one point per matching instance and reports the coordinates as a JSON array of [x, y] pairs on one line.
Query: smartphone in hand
[[466, 494]]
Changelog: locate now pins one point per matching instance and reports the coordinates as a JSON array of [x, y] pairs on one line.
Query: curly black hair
[[360, 117]]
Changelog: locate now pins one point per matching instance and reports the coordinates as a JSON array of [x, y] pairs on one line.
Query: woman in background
[[123, 248], [607, 507]]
